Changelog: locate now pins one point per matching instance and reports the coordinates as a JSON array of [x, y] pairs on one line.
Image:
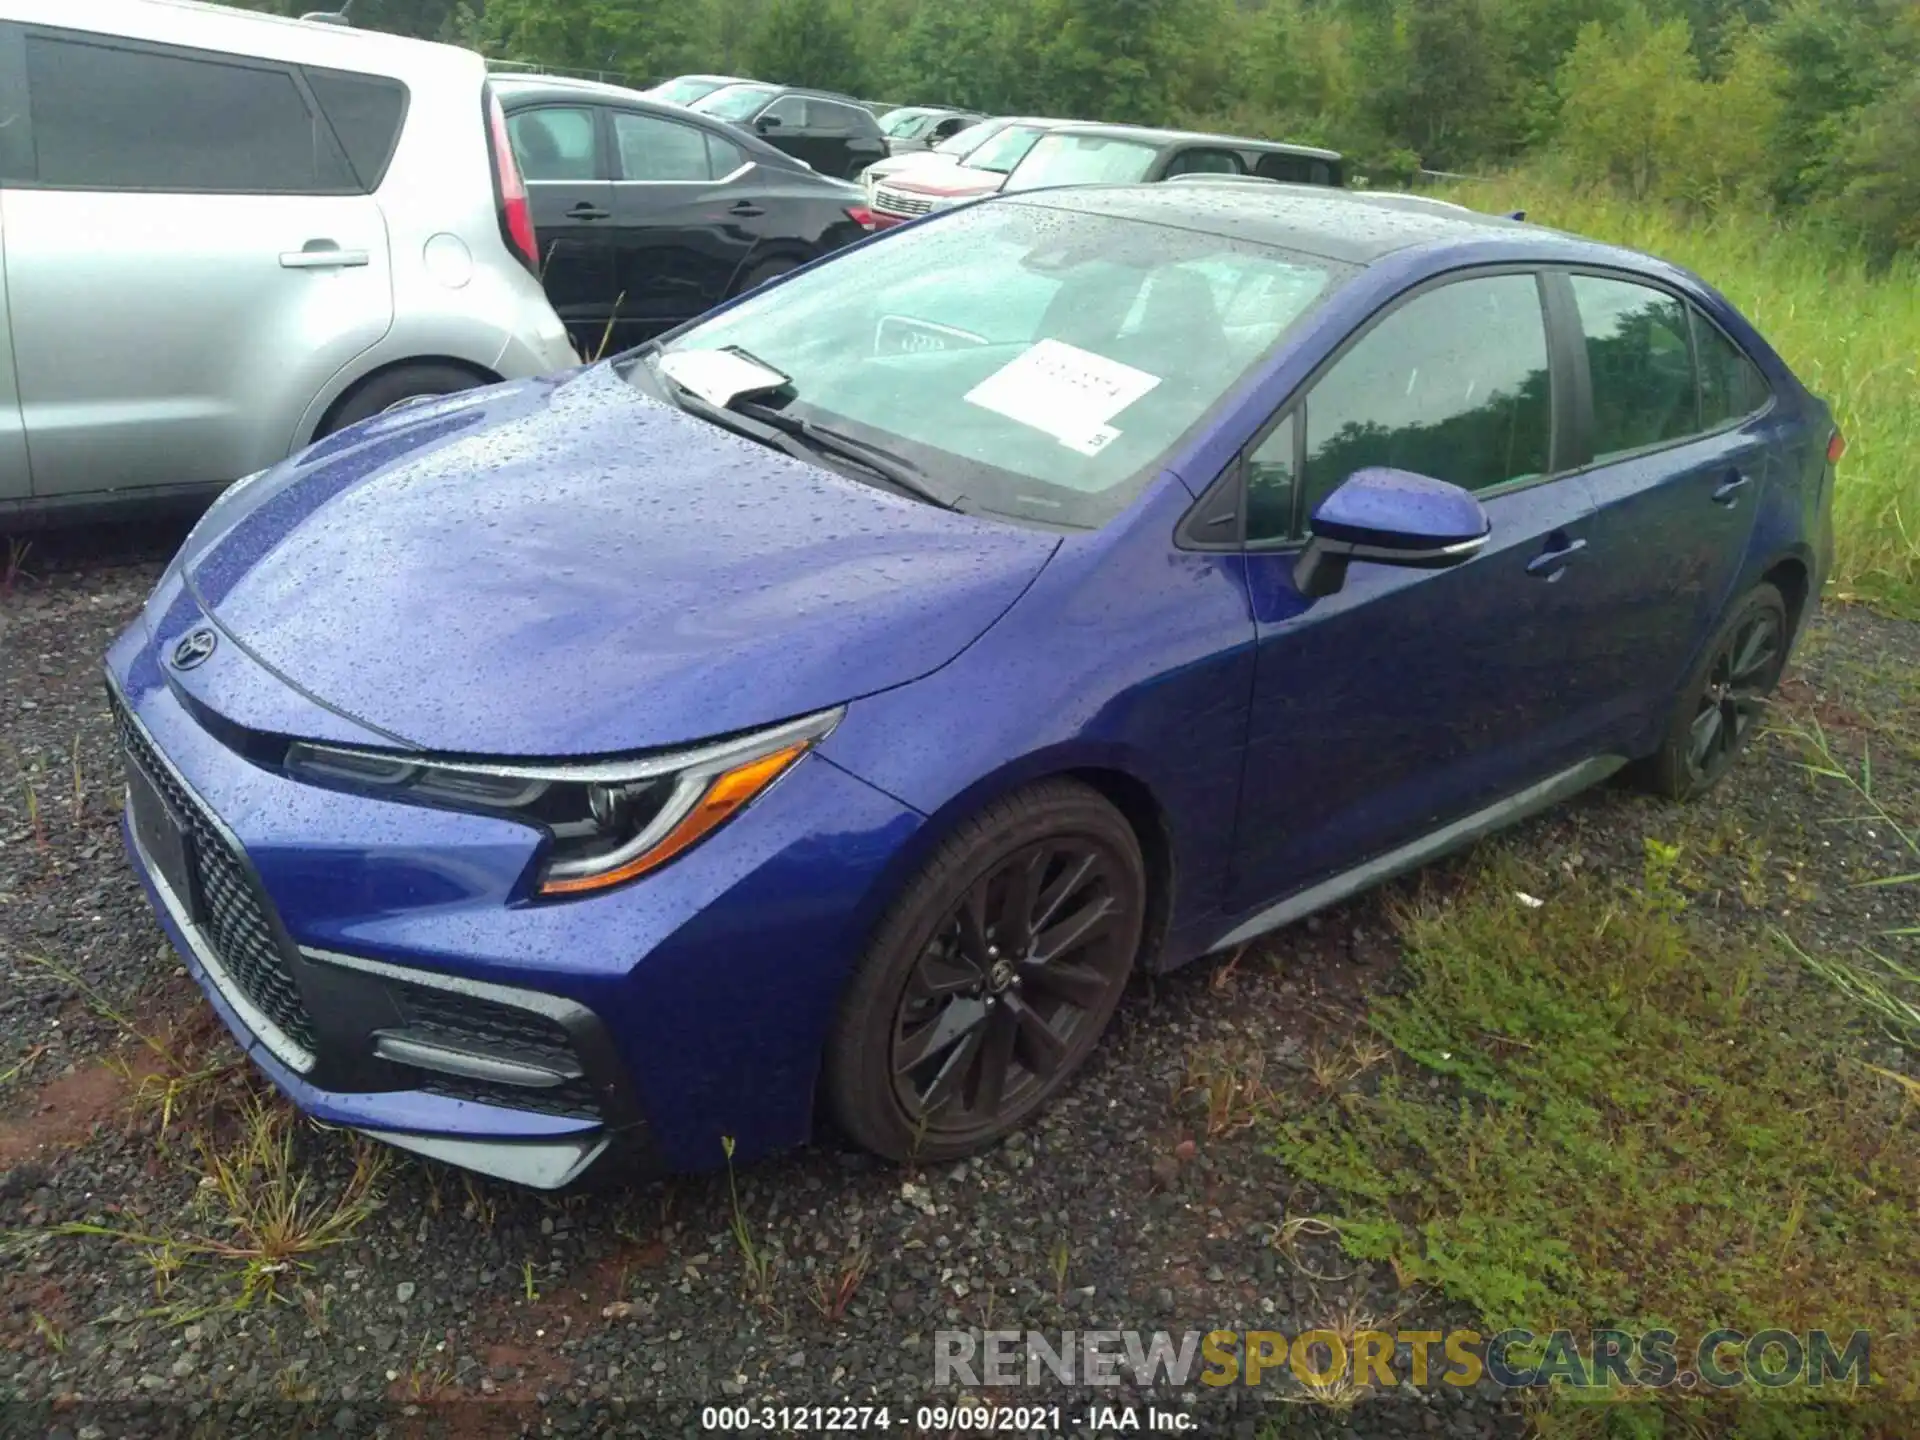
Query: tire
[[766, 270], [395, 387], [1723, 700], [943, 1045]]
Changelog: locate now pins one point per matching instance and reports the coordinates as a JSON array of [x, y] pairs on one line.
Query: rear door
[[849, 137], [1680, 452], [563, 159], [685, 215], [189, 244]]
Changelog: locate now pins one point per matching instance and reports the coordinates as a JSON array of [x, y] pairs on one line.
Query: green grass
[[1852, 336], [1632, 1128]]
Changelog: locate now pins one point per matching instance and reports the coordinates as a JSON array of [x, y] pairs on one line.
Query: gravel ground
[[461, 1306]]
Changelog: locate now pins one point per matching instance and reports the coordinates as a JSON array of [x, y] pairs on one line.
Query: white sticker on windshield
[[1063, 391]]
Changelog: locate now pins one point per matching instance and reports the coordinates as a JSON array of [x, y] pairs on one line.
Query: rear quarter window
[[366, 113], [115, 117]]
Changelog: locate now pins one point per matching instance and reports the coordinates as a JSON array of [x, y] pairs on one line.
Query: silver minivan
[[225, 234]]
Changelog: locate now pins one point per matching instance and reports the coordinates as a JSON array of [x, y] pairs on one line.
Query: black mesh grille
[[234, 920], [469, 1023]]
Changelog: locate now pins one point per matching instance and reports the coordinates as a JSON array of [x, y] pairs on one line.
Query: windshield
[[686, 90], [961, 141], [735, 102], [1040, 363], [904, 123], [1062, 159], [1005, 150]]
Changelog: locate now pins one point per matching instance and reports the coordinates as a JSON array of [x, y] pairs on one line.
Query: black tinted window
[[1294, 169], [843, 119], [1731, 385], [1206, 162], [106, 118], [1642, 367], [1453, 384], [365, 112], [654, 149], [555, 142]]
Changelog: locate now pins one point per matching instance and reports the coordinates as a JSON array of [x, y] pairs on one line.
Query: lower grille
[[235, 919], [467, 1022]]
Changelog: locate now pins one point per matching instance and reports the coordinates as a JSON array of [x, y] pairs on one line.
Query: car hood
[[948, 181], [569, 567]]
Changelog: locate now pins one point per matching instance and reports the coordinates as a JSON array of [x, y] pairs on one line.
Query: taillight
[[516, 216], [1836, 447], [861, 216]]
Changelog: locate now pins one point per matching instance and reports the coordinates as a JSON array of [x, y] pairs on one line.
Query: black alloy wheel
[[993, 978], [1722, 706]]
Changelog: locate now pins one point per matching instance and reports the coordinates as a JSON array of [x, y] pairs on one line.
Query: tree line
[[1802, 107]]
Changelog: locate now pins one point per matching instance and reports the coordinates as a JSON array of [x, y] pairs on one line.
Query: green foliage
[[1598, 1121], [1811, 103]]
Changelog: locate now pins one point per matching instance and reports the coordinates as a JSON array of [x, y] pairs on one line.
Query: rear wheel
[[396, 387], [992, 978], [1724, 700], [766, 270]]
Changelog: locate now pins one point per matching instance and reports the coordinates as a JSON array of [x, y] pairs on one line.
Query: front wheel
[[1724, 700], [992, 978]]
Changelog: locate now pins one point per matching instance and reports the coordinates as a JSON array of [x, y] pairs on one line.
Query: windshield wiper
[[802, 439], [898, 473]]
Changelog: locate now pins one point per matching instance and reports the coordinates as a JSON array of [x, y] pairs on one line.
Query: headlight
[[606, 821]]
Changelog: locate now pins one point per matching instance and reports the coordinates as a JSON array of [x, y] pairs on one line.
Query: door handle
[[322, 255], [585, 211], [1728, 491], [1548, 564], [746, 209]]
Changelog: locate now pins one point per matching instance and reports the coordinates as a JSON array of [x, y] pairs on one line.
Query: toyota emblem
[[194, 648]]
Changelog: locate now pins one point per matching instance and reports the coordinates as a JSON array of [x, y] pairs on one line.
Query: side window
[[789, 110], [365, 112], [723, 156], [555, 142], [840, 119], [1452, 384], [1731, 385], [650, 148], [1641, 363], [1206, 162], [1294, 169], [107, 118], [1269, 481], [950, 127]]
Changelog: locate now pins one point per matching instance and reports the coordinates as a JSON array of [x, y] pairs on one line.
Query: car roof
[[805, 90], [1354, 226], [251, 33], [1162, 139]]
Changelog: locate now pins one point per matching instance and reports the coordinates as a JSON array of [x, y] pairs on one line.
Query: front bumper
[[513, 1083], [667, 1015]]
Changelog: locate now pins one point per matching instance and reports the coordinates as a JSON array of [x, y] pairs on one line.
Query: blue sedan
[[825, 708]]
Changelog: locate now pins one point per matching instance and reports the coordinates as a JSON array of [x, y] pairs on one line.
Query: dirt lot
[[178, 1246]]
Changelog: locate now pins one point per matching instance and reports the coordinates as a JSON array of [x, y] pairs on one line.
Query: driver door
[[1411, 698]]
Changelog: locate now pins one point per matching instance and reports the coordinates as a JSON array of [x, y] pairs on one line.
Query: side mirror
[[1389, 517], [766, 123]]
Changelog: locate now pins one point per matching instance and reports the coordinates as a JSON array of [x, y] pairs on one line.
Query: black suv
[[835, 134], [648, 215]]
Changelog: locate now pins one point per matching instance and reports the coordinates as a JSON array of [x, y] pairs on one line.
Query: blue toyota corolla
[[824, 709]]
